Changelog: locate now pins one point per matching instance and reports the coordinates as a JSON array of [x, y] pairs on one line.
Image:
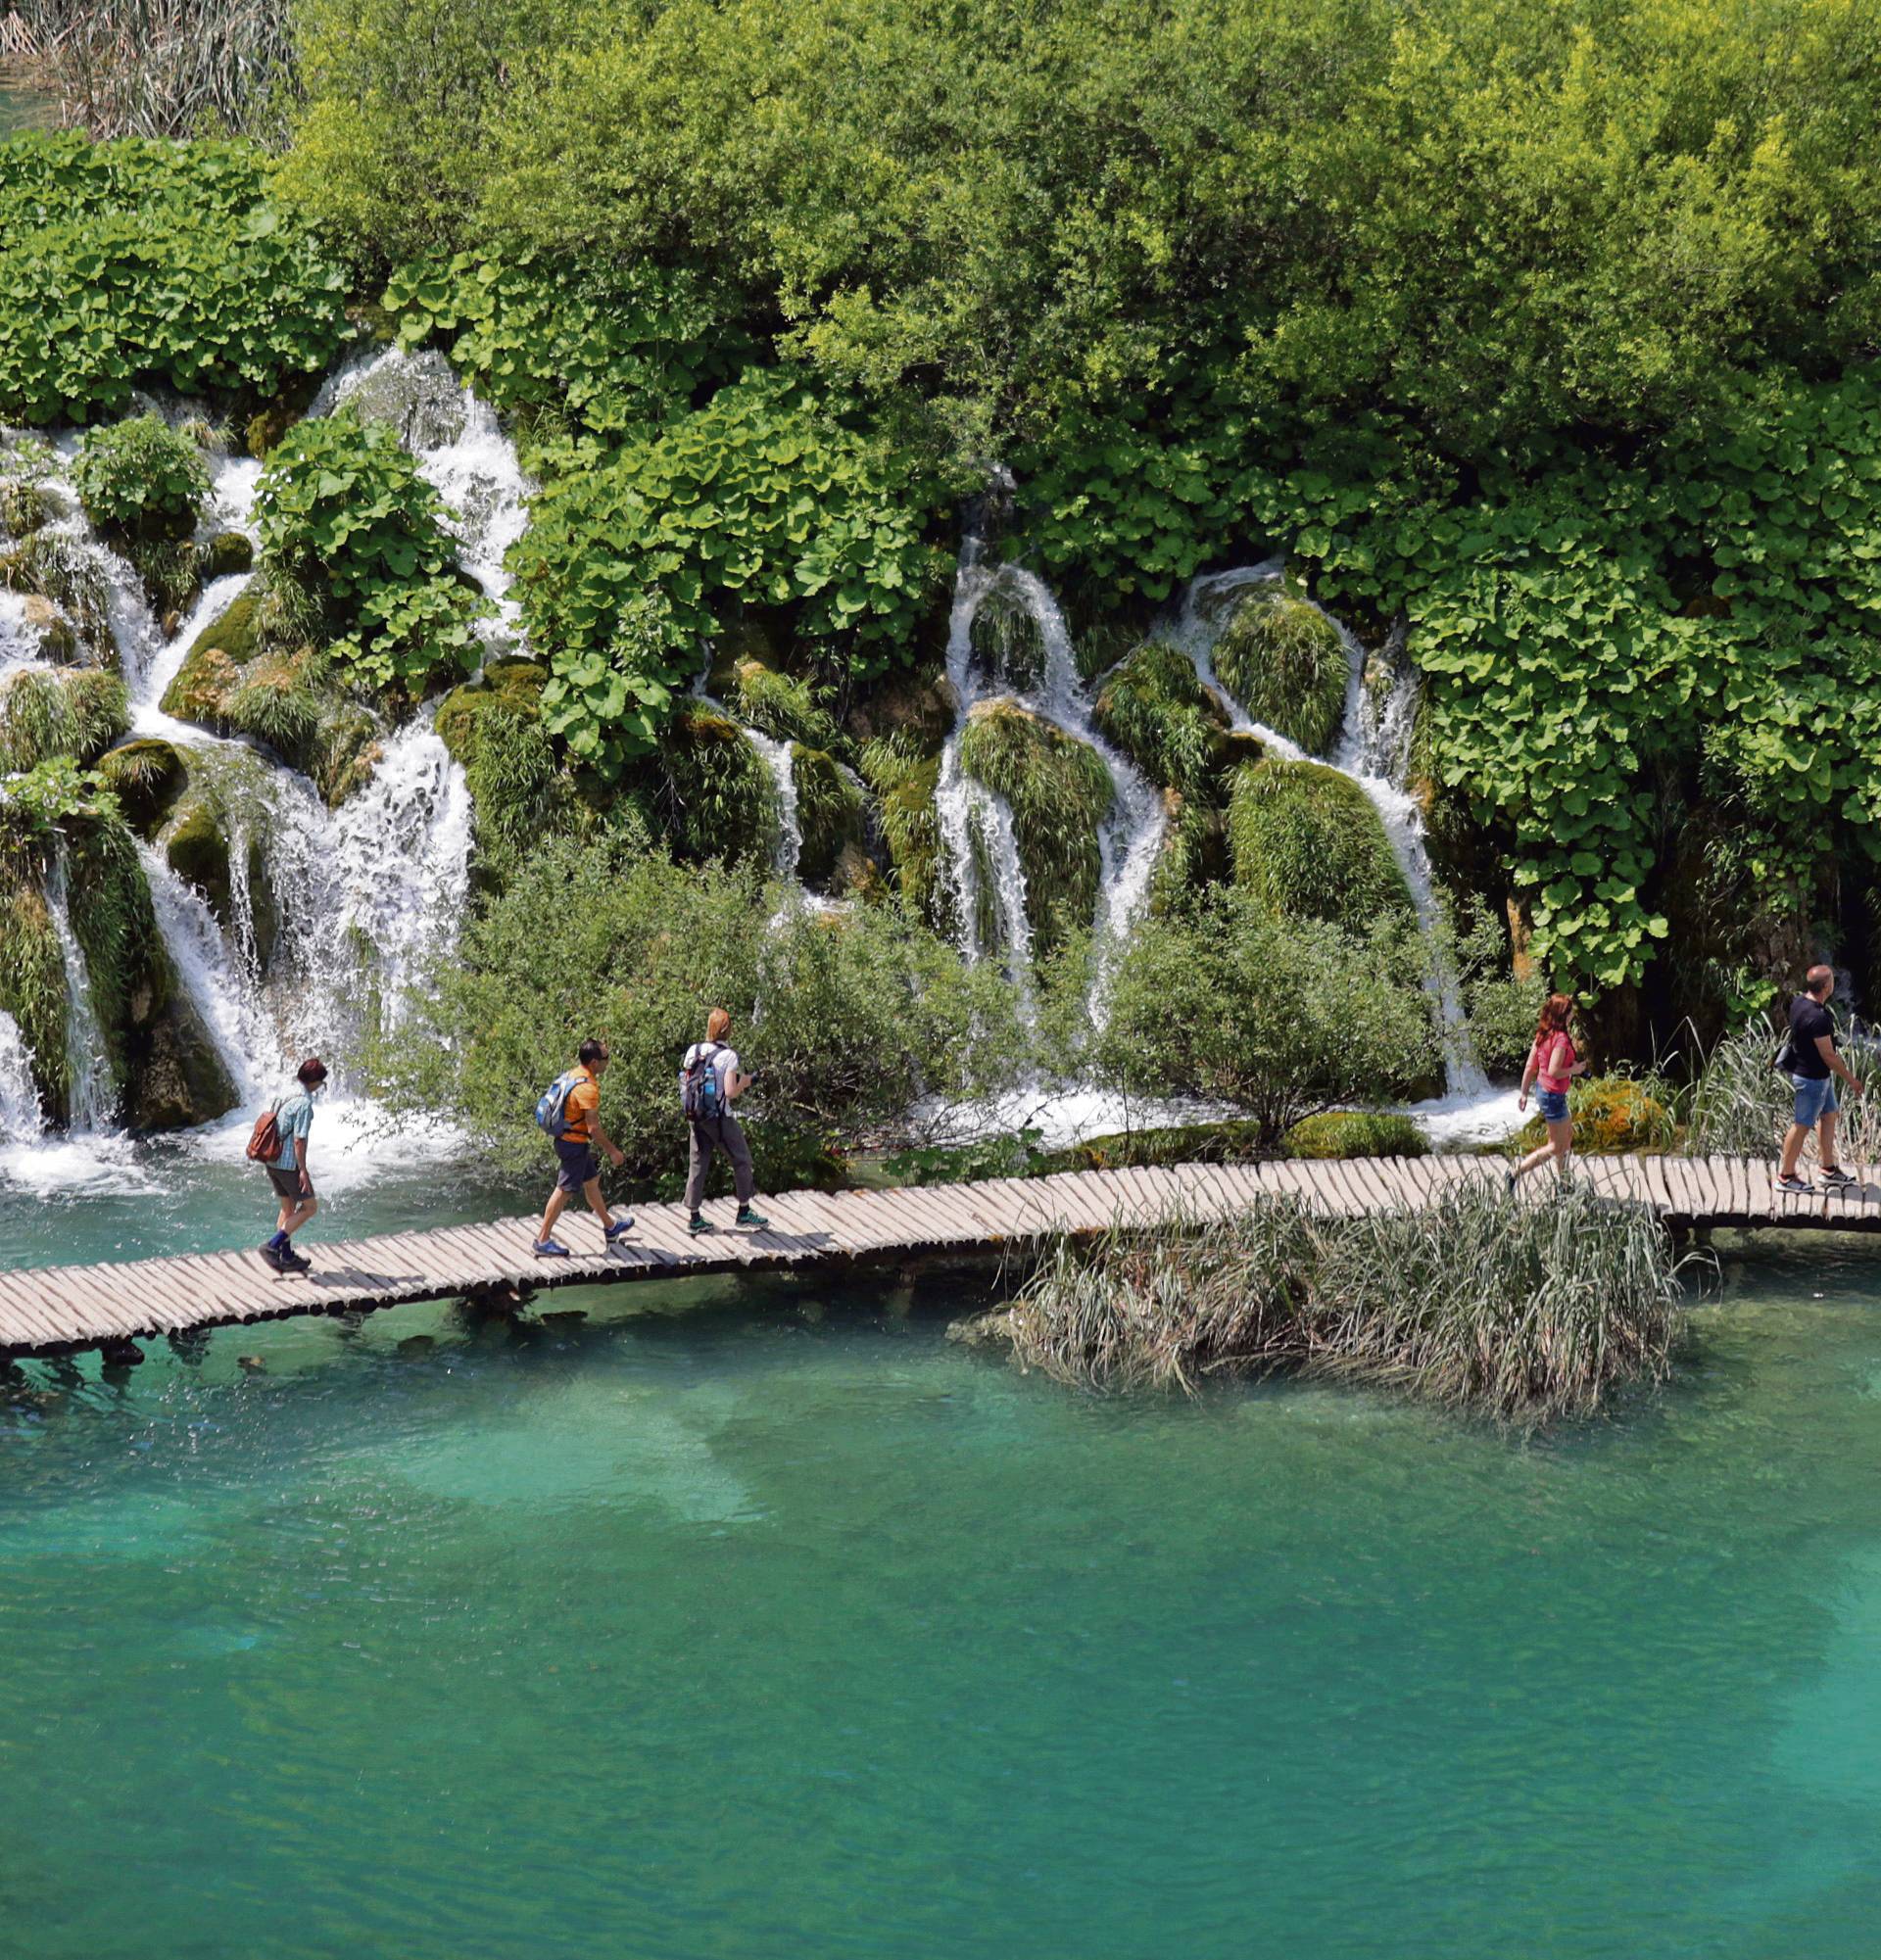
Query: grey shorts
[[290, 1186], [578, 1166]]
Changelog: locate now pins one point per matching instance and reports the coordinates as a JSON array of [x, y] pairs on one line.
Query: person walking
[[287, 1169], [1812, 1064], [570, 1111], [1552, 1062], [710, 1081]]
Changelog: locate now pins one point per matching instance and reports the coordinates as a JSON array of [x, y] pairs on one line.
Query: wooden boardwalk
[[54, 1309]]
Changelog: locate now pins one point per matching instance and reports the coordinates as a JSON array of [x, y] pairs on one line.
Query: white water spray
[[93, 1097], [21, 1117]]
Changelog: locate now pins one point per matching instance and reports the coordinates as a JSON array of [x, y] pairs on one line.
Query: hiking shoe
[[696, 1225], [747, 1216], [1509, 1179], [620, 1228], [295, 1261], [1837, 1180], [550, 1249], [1800, 1188], [271, 1256]]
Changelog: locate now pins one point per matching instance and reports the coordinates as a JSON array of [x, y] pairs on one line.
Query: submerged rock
[[992, 1328]]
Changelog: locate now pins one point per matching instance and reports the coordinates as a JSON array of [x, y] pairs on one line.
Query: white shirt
[[725, 1062]]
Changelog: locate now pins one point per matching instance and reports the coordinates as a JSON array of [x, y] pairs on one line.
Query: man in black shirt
[[1813, 1067]]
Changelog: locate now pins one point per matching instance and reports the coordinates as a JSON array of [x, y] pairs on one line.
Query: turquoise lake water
[[762, 1621]]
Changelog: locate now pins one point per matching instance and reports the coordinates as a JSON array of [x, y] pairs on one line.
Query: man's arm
[[616, 1156], [1825, 1047]]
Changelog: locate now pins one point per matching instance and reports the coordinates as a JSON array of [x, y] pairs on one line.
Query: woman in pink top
[[1553, 1062]]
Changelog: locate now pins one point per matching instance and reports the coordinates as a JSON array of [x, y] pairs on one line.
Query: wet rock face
[[173, 1077]]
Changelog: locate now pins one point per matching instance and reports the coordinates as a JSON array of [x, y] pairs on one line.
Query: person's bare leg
[[1539, 1155], [1560, 1140], [596, 1202], [557, 1204], [1793, 1143], [295, 1216], [1826, 1140]]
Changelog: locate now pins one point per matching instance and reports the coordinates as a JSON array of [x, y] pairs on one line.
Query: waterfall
[[462, 452], [221, 986], [21, 1118], [94, 1095], [1373, 751]]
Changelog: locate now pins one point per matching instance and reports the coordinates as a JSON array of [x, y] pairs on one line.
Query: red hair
[[718, 1025], [1555, 1012]]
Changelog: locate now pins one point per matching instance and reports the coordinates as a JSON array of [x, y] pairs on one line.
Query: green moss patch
[[80, 712], [1356, 1133], [146, 777], [830, 814], [1284, 660], [903, 778], [716, 798], [1059, 792], [1156, 710], [1307, 840]]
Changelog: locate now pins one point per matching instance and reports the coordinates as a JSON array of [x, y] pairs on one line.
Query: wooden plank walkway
[[54, 1309]]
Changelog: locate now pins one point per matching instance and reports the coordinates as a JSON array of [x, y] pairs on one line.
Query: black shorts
[[580, 1165], [290, 1186]]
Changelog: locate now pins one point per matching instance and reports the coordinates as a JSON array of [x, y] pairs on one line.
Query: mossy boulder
[[212, 668], [49, 634], [1613, 1114], [913, 707], [831, 815], [1284, 660], [32, 974], [904, 778], [25, 506], [60, 570], [1355, 1134], [146, 775], [221, 806], [1308, 841], [1059, 792], [783, 706], [492, 727], [1154, 707], [1194, 851], [227, 554], [716, 798], [78, 712]]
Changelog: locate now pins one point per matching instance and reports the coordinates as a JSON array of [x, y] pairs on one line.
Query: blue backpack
[[552, 1108], [702, 1089]]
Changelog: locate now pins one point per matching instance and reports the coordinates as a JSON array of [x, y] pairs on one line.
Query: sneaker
[[1837, 1180], [1799, 1188], [550, 1249], [747, 1216], [620, 1228], [271, 1256], [696, 1225], [1509, 1179], [295, 1261]]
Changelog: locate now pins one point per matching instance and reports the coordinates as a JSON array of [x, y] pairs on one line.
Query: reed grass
[[1740, 1106], [1528, 1313]]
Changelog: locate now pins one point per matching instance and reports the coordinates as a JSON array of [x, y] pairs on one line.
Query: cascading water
[[21, 1117], [219, 984], [93, 1098], [1373, 752]]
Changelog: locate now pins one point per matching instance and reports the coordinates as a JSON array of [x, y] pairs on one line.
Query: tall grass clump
[[1740, 1106], [1528, 1313]]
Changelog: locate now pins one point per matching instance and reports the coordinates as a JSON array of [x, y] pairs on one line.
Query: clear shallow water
[[765, 1622]]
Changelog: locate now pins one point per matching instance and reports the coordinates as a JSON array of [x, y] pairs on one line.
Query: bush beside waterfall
[[1308, 844], [1284, 660]]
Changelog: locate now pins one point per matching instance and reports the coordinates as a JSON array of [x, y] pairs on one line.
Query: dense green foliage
[[147, 263], [142, 477], [342, 508], [1284, 660], [1356, 1133], [1308, 845]]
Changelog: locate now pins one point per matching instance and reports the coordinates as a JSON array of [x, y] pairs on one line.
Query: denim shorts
[[1814, 1099], [1553, 1105], [579, 1165]]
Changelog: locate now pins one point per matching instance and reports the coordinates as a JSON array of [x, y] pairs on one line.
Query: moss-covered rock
[[227, 554], [904, 778], [783, 706], [224, 805], [1356, 1133], [716, 798], [1154, 707], [1059, 792], [48, 633], [146, 775], [78, 712], [33, 976], [494, 728], [212, 668], [1309, 842], [1612, 1114], [58, 568], [830, 813], [1284, 660]]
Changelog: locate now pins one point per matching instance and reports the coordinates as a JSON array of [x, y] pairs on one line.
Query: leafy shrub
[[614, 348], [1610, 1113], [714, 798], [1308, 844], [783, 706], [1284, 660], [850, 1020], [1356, 1133], [829, 814], [1527, 1312], [905, 781], [139, 263], [1059, 792], [142, 477], [1223, 1001], [1154, 707], [762, 496], [343, 509]]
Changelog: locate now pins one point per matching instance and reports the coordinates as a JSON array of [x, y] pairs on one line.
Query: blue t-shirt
[[296, 1118]]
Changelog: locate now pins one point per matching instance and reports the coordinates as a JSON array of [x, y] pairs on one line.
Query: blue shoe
[[550, 1249], [620, 1228]]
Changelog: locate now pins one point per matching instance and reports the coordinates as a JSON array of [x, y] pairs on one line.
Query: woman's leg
[[1561, 1142], [743, 1178], [698, 1161]]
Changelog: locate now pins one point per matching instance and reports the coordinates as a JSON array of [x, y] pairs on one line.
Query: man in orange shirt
[[575, 1145]]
